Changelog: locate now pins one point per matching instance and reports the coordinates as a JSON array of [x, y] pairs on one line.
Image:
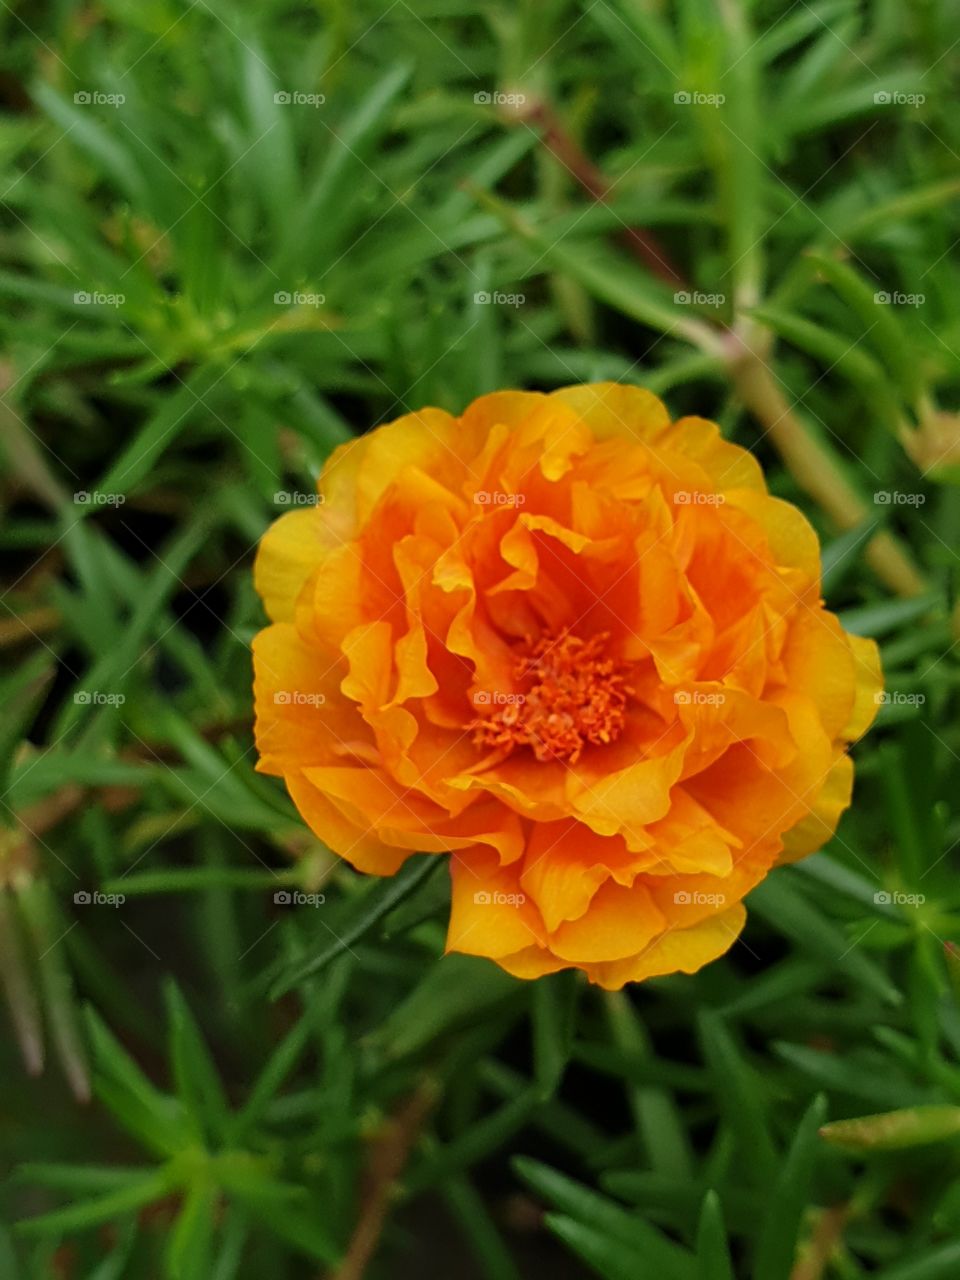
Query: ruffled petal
[[677, 951], [289, 552], [490, 915]]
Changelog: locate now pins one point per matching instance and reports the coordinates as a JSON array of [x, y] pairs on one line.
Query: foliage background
[[395, 1113]]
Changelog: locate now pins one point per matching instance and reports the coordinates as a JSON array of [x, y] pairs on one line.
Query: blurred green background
[[232, 235]]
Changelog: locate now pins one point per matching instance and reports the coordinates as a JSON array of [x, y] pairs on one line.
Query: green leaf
[[456, 990], [197, 1080], [108, 149], [887, 333], [849, 1074], [656, 1116], [9, 1266], [554, 1011], [154, 1118], [742, 1098], [314, 229], [876, 620], [896, 1130], [788, 910], [475, 1143], [611, 1258], [713, 1248], [776, 1247], [171, 419], [838, 355], [20, 693], [82, 1177], [609, 278], [271, 159], [940, 1263], [190, 1245], [376, 903], [91, 1213], [281, 1062], [485, 1242], [302, 1228], [628, 1235]]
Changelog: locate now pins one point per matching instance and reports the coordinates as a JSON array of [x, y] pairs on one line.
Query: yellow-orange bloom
[[576, 646]]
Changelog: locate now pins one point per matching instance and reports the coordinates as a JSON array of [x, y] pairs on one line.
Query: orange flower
[[579, 648]]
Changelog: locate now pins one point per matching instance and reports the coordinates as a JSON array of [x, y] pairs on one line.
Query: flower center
[[572, 695]]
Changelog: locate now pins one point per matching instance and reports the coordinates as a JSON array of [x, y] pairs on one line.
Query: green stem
[[814, 467]]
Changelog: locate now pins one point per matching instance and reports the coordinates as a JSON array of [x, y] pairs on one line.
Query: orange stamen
[[575, 695]]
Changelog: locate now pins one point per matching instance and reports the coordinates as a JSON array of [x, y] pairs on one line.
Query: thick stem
[[815, 470], [564, 148], [827, 1239], [388, 1160]]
